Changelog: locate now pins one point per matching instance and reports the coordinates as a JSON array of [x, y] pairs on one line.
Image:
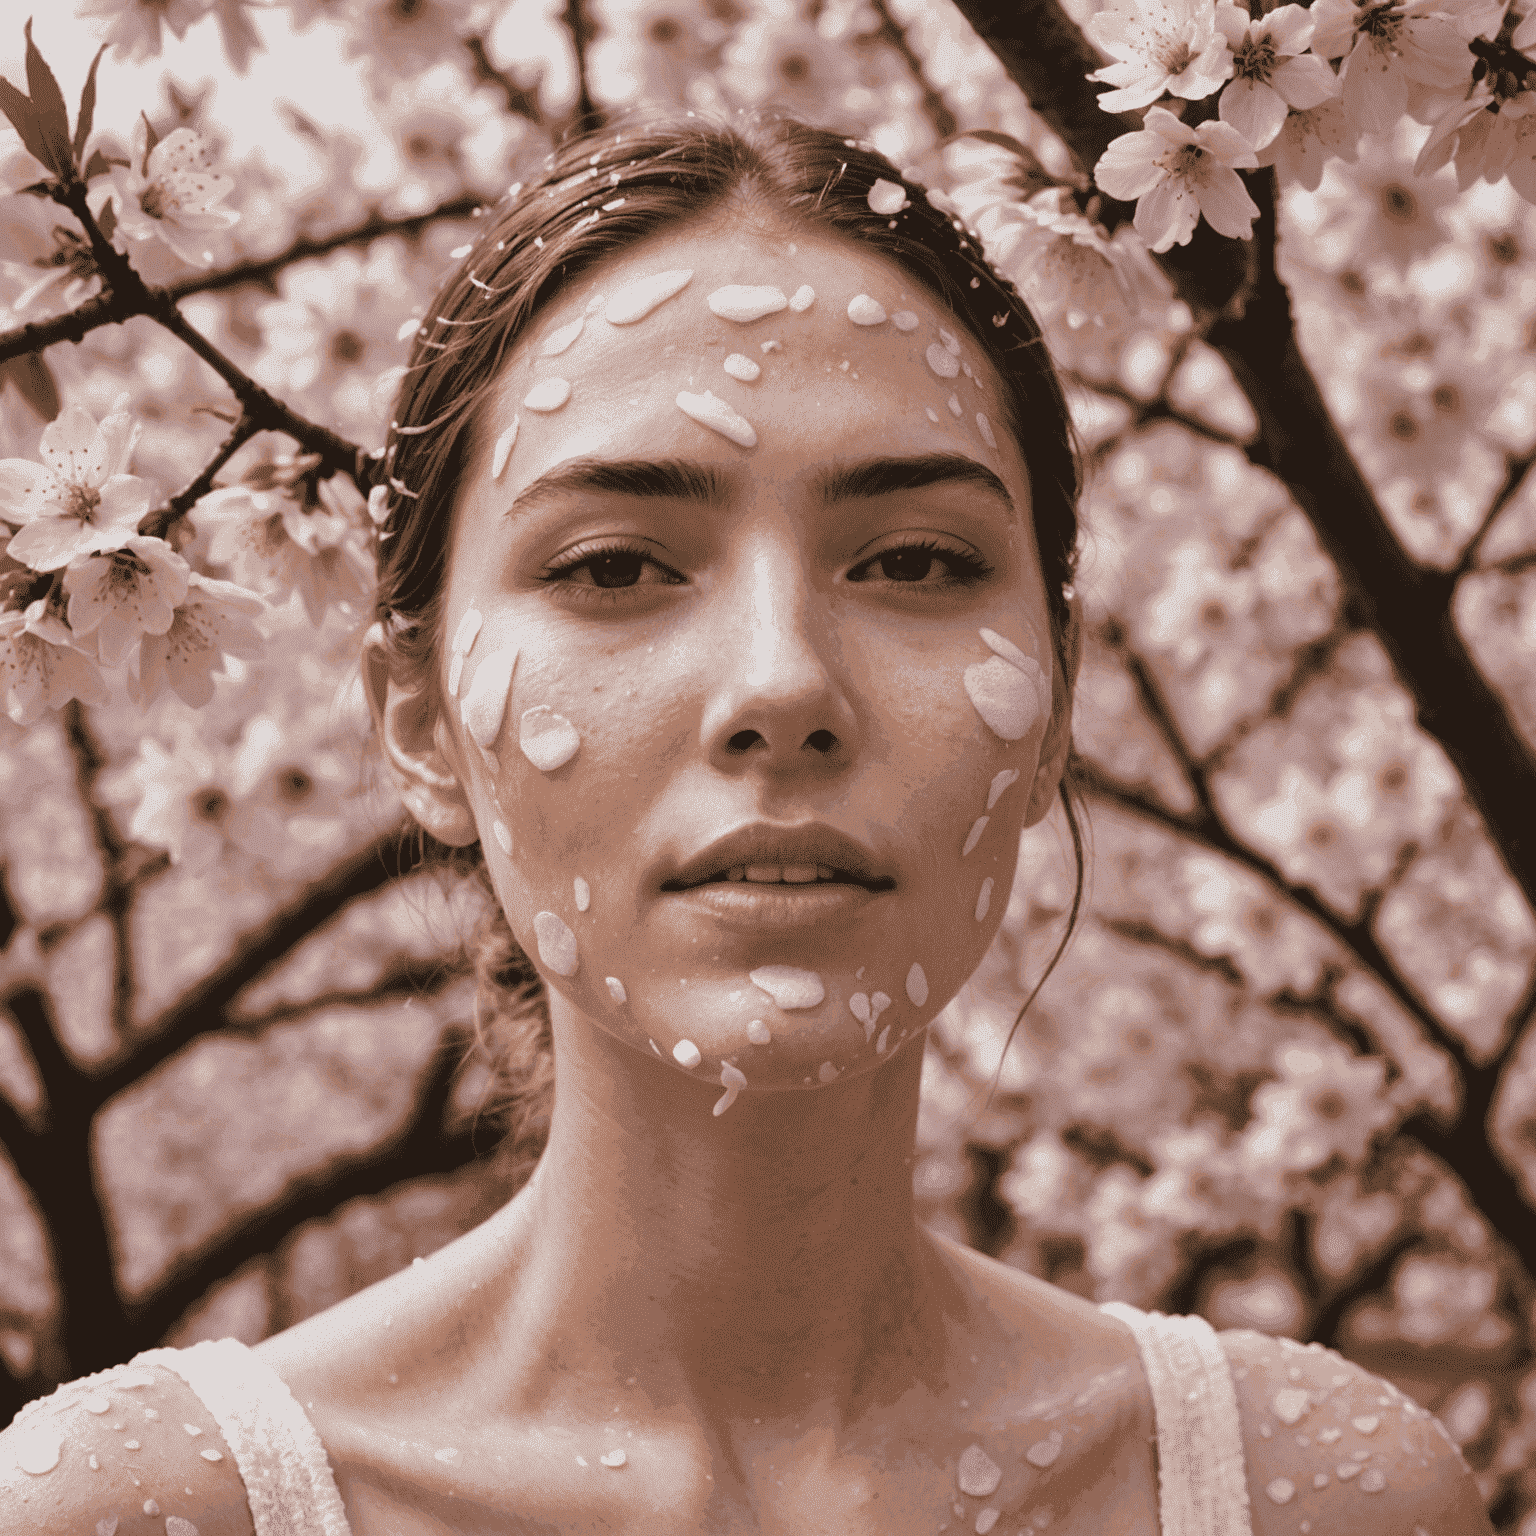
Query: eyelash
[[968, 568]]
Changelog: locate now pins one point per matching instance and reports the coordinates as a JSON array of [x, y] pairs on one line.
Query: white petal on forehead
[[954, 404], [974, 836], [951, 342], [1004, 697], [557, 944], [804, 297], [941, 362], [985, 428], [886, 197], [984, 899], [548, 740], [904, 320], [686, 1054], [486, 701], [558, 340], [718, 416], [933, 415], [548, 395], [738, 301], [863, 310], [634, 301], [583, 894], [616, 989], [743, 368], [469, 627], [788, 985], [503, 837]]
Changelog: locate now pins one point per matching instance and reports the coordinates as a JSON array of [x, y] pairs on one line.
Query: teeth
[[777, 874]]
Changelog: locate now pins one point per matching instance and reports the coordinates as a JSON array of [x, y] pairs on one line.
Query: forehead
[[825, 386]]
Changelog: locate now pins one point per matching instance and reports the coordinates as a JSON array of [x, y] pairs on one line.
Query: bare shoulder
[[132, 1443], [1342, 1451]]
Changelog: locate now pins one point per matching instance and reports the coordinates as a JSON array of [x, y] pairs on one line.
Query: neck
[[765, 1263]]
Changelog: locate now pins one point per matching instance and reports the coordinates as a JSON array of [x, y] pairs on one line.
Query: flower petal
[[26, 491], [73, 449], [1255, 110], [1128, 167], [50, 543], [1289, 28], [1225, 203], [1305, 81], [1167, 215]]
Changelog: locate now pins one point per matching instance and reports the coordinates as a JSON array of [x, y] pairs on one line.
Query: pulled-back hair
[[600, 196]]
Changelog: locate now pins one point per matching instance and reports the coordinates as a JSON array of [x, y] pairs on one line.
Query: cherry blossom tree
[[1283, 1076]]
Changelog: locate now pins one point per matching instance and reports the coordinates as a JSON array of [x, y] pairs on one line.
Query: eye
[[612, 567], [911, 565]]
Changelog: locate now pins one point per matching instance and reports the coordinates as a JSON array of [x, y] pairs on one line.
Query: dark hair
[[600, 196]]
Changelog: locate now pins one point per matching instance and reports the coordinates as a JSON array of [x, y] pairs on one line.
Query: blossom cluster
[[1295, 88], [81, 588]]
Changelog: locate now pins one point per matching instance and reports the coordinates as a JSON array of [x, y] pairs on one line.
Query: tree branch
[[894, 35]]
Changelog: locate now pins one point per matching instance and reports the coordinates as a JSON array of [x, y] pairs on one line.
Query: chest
[[1087, 1473]]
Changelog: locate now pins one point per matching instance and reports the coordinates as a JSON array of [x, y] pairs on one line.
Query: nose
[[777, 696]]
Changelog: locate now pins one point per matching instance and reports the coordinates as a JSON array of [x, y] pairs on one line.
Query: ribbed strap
[[288, 1480], [1202, 1481]]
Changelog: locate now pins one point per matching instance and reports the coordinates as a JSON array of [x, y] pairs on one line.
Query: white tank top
[[1202, 1483]]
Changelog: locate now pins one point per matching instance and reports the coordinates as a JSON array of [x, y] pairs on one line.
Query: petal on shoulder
[[1344, 1449]]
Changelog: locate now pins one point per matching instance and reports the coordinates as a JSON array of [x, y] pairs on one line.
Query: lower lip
[[746, 904]]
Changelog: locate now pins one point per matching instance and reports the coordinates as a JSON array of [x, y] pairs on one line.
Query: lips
[[783, 856]]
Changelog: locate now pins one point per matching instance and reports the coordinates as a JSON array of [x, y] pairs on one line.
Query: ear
[[1057, 746], [416, 742]]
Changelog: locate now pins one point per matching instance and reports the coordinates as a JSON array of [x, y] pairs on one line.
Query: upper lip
[[810, 842]]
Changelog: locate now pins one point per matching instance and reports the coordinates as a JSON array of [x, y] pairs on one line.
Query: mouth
[[782, 875]]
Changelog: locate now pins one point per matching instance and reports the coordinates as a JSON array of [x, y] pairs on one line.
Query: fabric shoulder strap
[[1202, 1481], [288, 1480]]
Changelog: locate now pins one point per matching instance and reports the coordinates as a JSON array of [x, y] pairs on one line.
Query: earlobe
[[405, 717]]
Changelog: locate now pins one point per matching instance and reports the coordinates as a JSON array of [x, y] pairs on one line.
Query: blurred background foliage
[[1284, 1076]]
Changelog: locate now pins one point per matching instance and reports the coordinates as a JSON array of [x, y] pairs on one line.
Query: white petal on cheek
[[1004, 697], [1000, 782], [984, 900], [503, 449], [985, 428], [758, 1033], [503, 837], [904, 320], [548, 395], [557, 944], [955, 408], [863, 310], [951, 342], [686, 1054], [743, 368], [1005, 648], [917, 986], [933, 415], [548, 740], [788, 985], [486, 702], [469, 627], [858, 1006], [583, 894], [616, 989], [634, 301], [718, 417], [558, 340], [941, 362], [744, 304], [455, 672], [977, 828], [880, 1044], [804, 297]]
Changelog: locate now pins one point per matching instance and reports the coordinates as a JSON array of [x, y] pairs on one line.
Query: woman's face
[[691, 637]]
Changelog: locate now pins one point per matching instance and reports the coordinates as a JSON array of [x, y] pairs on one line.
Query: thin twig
[[894, 35]]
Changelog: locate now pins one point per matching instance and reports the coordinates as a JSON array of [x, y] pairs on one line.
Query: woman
[[725, 603]]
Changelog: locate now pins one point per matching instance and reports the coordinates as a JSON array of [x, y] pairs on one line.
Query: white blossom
[[1160, 45], [1271, 75], [40, 665], [79, 499], [169, 192], [133, 26], [1177, 173], [1308, 140], [130, 592], [280, 541], [1389, 47], [212, 622]]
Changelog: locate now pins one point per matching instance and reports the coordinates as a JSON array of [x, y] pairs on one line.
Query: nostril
[[822, 741], [742, 740]]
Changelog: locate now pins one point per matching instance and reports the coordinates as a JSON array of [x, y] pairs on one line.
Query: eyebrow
[[708, 486]]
